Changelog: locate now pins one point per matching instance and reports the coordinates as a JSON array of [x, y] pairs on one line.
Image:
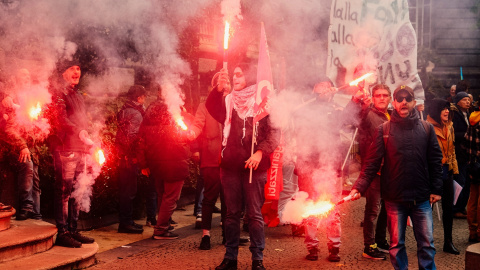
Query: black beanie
[[435, 108], [459, 96], [64, 64]]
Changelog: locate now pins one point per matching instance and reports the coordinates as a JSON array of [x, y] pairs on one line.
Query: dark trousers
[[151, 198], [212, 188], [375, 217], [464, 180], [238, 190], [68, 167], [447, 204], [127, 190]]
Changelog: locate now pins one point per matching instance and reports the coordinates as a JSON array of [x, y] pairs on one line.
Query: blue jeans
[[29, 187], [238, 190], [68, 166], [422, 221]]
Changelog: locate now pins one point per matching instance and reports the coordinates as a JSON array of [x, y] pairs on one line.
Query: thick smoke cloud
[[35, 34]]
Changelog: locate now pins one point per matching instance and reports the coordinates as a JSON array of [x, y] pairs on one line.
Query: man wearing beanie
[[411, 178], [460, 126], [69, 143]]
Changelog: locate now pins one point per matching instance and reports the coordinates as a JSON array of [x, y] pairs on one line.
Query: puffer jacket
[[412, 168], [162, 144]]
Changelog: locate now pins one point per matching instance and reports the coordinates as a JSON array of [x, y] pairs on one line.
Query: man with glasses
[[374, 230], [411, 178]]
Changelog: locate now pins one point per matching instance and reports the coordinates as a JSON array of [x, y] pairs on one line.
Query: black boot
[[312, 254], [450, 248], [258, 265], [227, 264]]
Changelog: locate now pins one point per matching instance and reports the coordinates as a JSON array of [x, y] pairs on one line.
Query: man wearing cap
[[69, 143], [129, 119], [461, 115], [411, 178]]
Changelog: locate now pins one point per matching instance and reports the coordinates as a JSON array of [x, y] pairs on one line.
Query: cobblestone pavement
[[282, 250]]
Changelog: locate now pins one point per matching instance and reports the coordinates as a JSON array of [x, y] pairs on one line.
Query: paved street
[[282, 250]]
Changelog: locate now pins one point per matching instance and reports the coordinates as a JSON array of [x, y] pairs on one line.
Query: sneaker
[[66, 240], [383, 247], [198, 222], [298, 230], [333, 255], [258, 265], [372, 252], [165, 236], [137, 225], [312, 254], [173, 222], [24, 215], [205, 244], [151, 222], [82, 238], [129, 228]]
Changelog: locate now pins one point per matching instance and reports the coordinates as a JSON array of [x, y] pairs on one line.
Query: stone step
[[28, 245], [5, 217], [25, 238], [56, 258]]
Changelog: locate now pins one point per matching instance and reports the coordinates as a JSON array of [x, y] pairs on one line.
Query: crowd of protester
[[408, 164]]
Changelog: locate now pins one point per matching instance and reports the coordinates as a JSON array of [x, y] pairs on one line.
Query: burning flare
[[356, 81], [226, 36], [320, 208], [100, 157], [181, 124], [35, 111]]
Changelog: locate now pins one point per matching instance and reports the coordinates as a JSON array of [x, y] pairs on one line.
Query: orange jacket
[[446, 140]]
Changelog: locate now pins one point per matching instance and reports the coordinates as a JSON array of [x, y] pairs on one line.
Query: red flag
[[264, 79]]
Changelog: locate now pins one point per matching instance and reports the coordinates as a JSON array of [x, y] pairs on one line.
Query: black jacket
[[412, 168], [238, 150], [162, 144], [68, 117], [129, 119], [460, 127]]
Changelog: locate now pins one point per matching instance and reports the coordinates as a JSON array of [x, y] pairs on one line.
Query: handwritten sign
[[373, 36]]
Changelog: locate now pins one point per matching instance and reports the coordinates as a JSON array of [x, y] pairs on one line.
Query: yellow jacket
[[446, 137]]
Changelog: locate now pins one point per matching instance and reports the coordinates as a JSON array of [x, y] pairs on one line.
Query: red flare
[[356, 81], [226, 36], [320, 208], [181, 124], [100, 157], [35, 111]]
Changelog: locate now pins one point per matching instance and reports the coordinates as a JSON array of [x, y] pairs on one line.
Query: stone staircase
[[28, 244]]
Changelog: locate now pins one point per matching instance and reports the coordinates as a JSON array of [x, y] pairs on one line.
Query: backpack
[[386, 130]]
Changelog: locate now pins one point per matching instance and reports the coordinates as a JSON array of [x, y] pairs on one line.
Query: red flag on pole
[[264, 79]]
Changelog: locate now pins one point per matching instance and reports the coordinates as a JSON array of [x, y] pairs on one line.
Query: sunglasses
[[400, 99]]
